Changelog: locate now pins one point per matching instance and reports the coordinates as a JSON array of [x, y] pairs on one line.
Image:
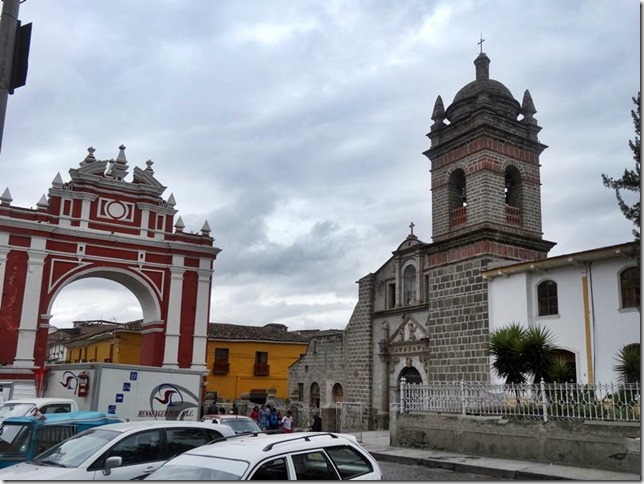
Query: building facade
[[424, 313], [589, 301]]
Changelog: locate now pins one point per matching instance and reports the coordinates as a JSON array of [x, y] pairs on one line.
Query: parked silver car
[[292, 456]]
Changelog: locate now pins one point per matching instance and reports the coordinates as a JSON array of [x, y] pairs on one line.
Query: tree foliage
[[628, 363], [520, 352], [630, 180]]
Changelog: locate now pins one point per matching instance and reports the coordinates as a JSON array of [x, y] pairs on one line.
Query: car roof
[[39, 401], [226, 416], [85, 416], [151, 424], [264, 445]]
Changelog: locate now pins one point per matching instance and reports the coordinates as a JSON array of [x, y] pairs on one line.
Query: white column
[[84, 221], [172, 326], [31, 304], [201, 317], [145, 220]]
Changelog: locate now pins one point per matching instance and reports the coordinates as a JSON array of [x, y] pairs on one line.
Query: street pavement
[[377, 443]]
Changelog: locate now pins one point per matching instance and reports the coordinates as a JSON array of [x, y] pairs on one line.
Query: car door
[[313, 465], [141, 452]]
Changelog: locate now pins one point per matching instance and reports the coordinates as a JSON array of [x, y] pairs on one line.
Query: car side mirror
[[111, 463]]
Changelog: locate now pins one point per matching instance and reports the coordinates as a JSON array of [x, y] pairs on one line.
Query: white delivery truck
[[131, 392]]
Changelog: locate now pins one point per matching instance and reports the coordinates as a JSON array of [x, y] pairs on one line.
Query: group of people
[[270, 418]]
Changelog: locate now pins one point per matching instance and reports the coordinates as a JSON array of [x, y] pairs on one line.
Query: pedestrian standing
[[287, 422]]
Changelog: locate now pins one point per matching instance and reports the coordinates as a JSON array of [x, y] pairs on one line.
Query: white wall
[[513, 298]]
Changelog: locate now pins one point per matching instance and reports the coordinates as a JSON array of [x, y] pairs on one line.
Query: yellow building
[[251, 360], [102, 341], [241, 360]]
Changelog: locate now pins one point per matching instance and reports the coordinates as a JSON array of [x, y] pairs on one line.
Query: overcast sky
[[296, 128]]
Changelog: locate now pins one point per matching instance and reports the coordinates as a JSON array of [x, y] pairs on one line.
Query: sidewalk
[[377, 443]]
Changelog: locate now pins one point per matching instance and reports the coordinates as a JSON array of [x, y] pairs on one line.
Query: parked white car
[[122, 451], [292, 456], [238, 423]]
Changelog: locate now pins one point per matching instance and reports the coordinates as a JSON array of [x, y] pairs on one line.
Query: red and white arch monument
[[99, 225]]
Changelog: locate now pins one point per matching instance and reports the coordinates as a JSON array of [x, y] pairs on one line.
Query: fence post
[[403, 381], [462, 396], [544, 400]]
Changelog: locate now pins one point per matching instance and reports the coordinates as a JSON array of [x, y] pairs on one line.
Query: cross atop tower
[[411, 226], [480, 42]]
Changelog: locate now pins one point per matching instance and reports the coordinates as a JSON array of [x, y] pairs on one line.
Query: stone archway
[[100, 225]]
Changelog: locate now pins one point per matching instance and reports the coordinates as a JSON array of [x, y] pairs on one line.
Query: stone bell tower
[[485, 169]]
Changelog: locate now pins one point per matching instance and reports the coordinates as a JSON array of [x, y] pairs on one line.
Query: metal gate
[[349, 418]]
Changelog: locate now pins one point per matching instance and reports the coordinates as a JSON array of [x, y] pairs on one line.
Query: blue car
[[23, 438]]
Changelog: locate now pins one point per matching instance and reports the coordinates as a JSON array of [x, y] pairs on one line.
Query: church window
[[513, 196], [300, 391], [457, 198], [314, 399], [629, 285], [391, 295], [457, 192], [547, 298], [338, 393], [409, 285]]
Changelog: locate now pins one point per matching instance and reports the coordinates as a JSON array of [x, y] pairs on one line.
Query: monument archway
[[100, 225]]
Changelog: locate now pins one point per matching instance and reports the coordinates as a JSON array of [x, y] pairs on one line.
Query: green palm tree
[[561, 371], [520, 351], [505, 345], [628, 366], [538, 351]]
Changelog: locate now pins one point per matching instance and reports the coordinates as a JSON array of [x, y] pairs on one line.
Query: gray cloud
[[296, 128]]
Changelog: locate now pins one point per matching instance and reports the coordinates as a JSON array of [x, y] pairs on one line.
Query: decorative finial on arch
[[6, 199], [90, 156], [148, 168], [205, 230], [43, 203], [179, 226]]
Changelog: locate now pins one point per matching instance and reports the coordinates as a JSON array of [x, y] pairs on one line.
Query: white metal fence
[[561, 401]]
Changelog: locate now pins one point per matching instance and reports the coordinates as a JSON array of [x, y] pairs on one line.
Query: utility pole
[[8, 29]]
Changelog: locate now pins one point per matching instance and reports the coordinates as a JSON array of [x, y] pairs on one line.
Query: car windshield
[[74, 451], [241, 425], [14, 438], [14, 409], [199, 468]]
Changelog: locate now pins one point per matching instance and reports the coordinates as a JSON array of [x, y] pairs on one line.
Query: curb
[[470, 468]]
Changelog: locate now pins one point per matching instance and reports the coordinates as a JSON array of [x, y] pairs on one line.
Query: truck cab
[[23, 438], [33, 406]]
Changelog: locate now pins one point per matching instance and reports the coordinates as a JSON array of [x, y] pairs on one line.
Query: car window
[[313, 466], [181, 439], [241, 425], [272, 470], [14, 439], [47, 437], [75, 450], [349, 462], [56, 408], [138, 448]]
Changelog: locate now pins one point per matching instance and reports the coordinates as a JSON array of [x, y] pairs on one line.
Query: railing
[[458, 217], [512, 215], [221, 368], [261, 370], [542, 401]]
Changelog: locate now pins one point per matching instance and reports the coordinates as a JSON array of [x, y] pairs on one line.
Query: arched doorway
[[564, 366], [98, 225], [314, 396], [338, 393], [410, 374]]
